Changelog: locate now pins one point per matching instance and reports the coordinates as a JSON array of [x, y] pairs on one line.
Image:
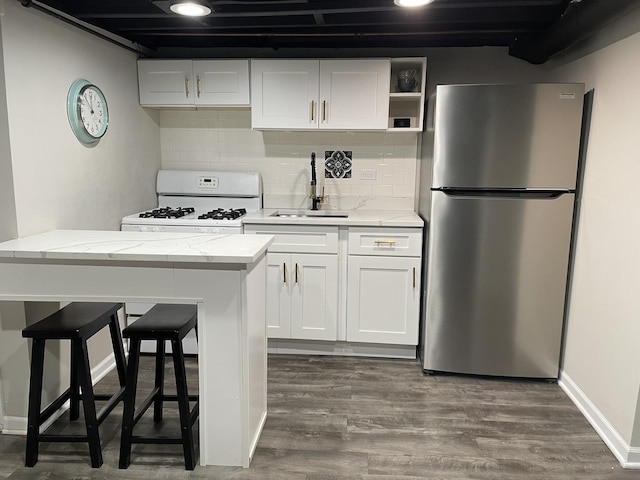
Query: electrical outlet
[[368, 174]]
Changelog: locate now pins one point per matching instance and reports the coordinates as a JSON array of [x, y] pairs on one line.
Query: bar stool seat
[[164, 322], [76, 322]]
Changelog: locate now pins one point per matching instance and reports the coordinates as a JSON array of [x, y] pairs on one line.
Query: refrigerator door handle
[[523, 193]]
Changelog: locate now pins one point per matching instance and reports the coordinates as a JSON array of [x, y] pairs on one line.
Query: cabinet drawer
[[402, 242], [300, 239]]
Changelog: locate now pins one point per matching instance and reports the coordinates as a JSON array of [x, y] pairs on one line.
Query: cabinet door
[[284, 94], [278, 295], [314, 297], [354, 94], [383, 299], [165, 82], [221, 82]]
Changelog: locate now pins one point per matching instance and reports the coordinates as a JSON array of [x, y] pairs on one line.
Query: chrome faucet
[[315, 199]]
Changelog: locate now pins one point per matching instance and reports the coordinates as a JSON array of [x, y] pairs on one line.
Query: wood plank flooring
[[349, 418]]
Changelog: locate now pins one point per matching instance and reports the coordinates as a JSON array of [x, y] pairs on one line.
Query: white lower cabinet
[[383, 299], [383, 285], [302, 283], [355, 287], [302, 296]]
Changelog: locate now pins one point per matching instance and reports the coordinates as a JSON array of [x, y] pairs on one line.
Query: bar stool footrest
[[157, 440], [62, 438], [112, 402], [54, 406]]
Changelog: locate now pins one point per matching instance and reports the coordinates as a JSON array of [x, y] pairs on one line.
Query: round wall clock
[[87, 112]]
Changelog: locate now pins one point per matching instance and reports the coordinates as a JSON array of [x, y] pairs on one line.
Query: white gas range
[[201, 202]]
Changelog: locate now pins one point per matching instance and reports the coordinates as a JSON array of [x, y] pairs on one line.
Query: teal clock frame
[[73, 112]]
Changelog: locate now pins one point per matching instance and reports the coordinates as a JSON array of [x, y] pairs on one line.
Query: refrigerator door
[[496, 282], [507, 136]]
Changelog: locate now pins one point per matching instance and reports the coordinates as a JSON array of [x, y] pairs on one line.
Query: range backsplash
[[222, 139]]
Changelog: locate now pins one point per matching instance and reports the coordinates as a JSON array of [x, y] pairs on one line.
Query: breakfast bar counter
[[224, 275]]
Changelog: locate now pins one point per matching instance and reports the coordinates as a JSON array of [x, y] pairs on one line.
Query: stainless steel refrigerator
[[499, 208]]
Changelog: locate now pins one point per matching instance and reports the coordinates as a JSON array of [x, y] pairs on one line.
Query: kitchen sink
[[308, 214]]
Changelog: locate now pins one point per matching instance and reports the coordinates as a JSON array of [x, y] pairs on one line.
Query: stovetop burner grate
[[168, 212], [222, 214]]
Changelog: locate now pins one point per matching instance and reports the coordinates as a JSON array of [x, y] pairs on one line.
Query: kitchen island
[[224, 275]]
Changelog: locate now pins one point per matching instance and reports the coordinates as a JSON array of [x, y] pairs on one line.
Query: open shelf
[[407, 105]]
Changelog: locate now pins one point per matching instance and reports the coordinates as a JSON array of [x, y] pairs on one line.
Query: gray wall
[[49, 179], [601, 349]]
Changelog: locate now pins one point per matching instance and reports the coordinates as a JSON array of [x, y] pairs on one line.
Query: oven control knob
[[142, 229], [155, 229]]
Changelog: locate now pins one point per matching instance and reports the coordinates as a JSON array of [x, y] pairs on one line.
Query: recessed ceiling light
[[190, 8], [412, 3]]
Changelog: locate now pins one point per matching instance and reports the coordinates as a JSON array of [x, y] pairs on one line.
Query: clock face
[[93, 111], [87, 112]]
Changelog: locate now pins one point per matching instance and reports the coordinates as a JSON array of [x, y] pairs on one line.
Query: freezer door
[[497, 273], [507, 136]]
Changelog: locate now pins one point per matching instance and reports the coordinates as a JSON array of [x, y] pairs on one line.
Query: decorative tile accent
[[337, 164]]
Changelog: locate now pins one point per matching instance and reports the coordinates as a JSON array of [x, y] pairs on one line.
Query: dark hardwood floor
[[347, 418]]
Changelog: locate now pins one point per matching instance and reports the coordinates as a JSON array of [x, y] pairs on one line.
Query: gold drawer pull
[[296, 272], [414, 277], [198, 85], [388, 242], [284, 271], [186, 86], [313, 110]]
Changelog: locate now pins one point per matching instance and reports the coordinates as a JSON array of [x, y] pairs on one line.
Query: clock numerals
[[92, 112], [87, 111]]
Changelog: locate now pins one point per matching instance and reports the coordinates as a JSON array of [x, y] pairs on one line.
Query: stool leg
[[35, 402], [88, 403], [129, 403], [118, 349], [74, 399], [159, 382], [183, 405]]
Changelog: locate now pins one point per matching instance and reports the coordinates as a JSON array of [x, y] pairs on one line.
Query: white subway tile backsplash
[[403, 190], [222, 139]]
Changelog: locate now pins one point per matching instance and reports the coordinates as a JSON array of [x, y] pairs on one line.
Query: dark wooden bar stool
[[76, 322], [163, 322]]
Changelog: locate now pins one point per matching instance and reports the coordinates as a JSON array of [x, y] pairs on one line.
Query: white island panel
[[229, 292]]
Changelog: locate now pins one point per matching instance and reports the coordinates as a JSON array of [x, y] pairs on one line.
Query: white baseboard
[[18, 425], [629, 457], [256, 437]]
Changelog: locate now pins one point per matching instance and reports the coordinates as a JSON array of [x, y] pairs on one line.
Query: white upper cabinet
[[340, 94], [284, 94], [222, 82], [167, 83]]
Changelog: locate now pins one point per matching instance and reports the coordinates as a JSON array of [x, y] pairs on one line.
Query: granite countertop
[[137, 246], [361, 218]]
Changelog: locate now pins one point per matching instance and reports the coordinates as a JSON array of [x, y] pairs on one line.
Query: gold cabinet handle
[[324, 110], [198, 85], [186, 86], [389, 242], [414, 277], [313, 110], [284, 273], [296, 272]]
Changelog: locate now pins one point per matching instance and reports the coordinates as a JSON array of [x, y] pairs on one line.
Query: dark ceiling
[[311, 24]]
